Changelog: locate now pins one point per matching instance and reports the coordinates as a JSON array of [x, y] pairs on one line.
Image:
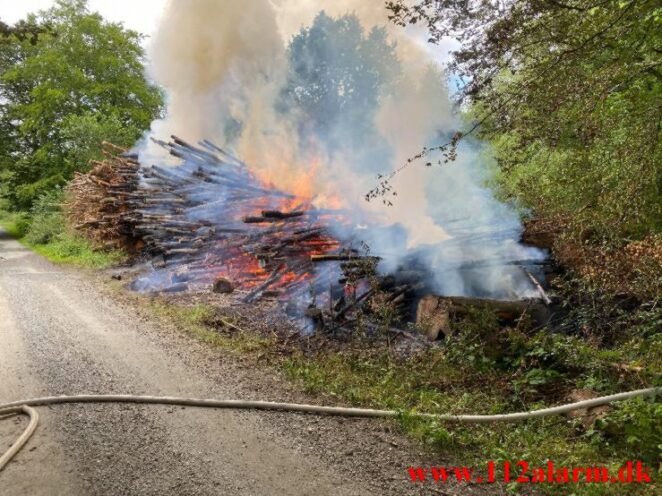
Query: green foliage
[[608, 185], [469, 344], [83, 134], [44, 230], [67, 77], [47, 221], [15, 223], [543, 363], [636, 426], [568, 92], [70, 249], [583, 140]]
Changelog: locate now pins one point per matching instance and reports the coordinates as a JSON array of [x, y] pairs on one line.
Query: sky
[[139, 15], [143, 16]]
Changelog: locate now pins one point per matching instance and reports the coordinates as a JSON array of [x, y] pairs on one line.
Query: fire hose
[[24, 407]]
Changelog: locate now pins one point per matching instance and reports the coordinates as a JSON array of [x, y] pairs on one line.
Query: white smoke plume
[[210, 56], [225, 63]]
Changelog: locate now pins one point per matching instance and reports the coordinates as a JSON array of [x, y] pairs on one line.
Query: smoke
[[214, 58], [229, 77]]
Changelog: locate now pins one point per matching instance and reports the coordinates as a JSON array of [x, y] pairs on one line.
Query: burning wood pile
[[209, 222], [210, 217]]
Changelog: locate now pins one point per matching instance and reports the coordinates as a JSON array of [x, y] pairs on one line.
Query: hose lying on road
[[24, 407], [27, 433]]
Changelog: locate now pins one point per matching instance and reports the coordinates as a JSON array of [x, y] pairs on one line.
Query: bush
[[45, 228], [15, 223], [24, 196], [47, 219], [635, 427]]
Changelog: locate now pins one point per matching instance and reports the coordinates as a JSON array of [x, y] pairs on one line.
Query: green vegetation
[[524, 370], [383, 382], [74, 250], [68, 79], [44, 230], [568, 94], [65, 249], [15, 223], [204, 323]]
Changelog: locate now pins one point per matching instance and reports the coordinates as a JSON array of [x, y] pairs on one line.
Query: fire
[[304, 186], [234, 223]]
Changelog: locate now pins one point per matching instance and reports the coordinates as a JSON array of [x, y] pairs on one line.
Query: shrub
[[47, 219], [635, 426], [15, 223]]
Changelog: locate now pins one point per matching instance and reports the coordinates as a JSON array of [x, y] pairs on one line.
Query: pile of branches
[[99, 203]]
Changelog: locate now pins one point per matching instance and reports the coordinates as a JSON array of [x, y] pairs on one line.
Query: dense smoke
[[319, 97]]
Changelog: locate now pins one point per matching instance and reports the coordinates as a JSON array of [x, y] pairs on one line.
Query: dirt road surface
[[61, 333]]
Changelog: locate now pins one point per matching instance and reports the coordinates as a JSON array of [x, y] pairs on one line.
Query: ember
[[210, 219], [264, 240]]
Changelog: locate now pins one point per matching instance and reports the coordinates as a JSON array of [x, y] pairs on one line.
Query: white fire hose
[[24, 407]]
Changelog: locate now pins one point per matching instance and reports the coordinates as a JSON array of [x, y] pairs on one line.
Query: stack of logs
[[209, 217], [101, 202]]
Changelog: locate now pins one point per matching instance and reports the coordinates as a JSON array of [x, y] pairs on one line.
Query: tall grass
[[45, 231]]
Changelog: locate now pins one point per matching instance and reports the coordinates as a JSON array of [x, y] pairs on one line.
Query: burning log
[[257, 291], [275, 214]]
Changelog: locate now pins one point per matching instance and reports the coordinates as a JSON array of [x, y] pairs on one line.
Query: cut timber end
[[435, 312]]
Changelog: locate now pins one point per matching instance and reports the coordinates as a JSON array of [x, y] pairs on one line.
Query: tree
[[569, 91], [58, 66], [337, 76]]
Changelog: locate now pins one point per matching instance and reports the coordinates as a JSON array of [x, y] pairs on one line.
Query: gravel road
[[61, 332]]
